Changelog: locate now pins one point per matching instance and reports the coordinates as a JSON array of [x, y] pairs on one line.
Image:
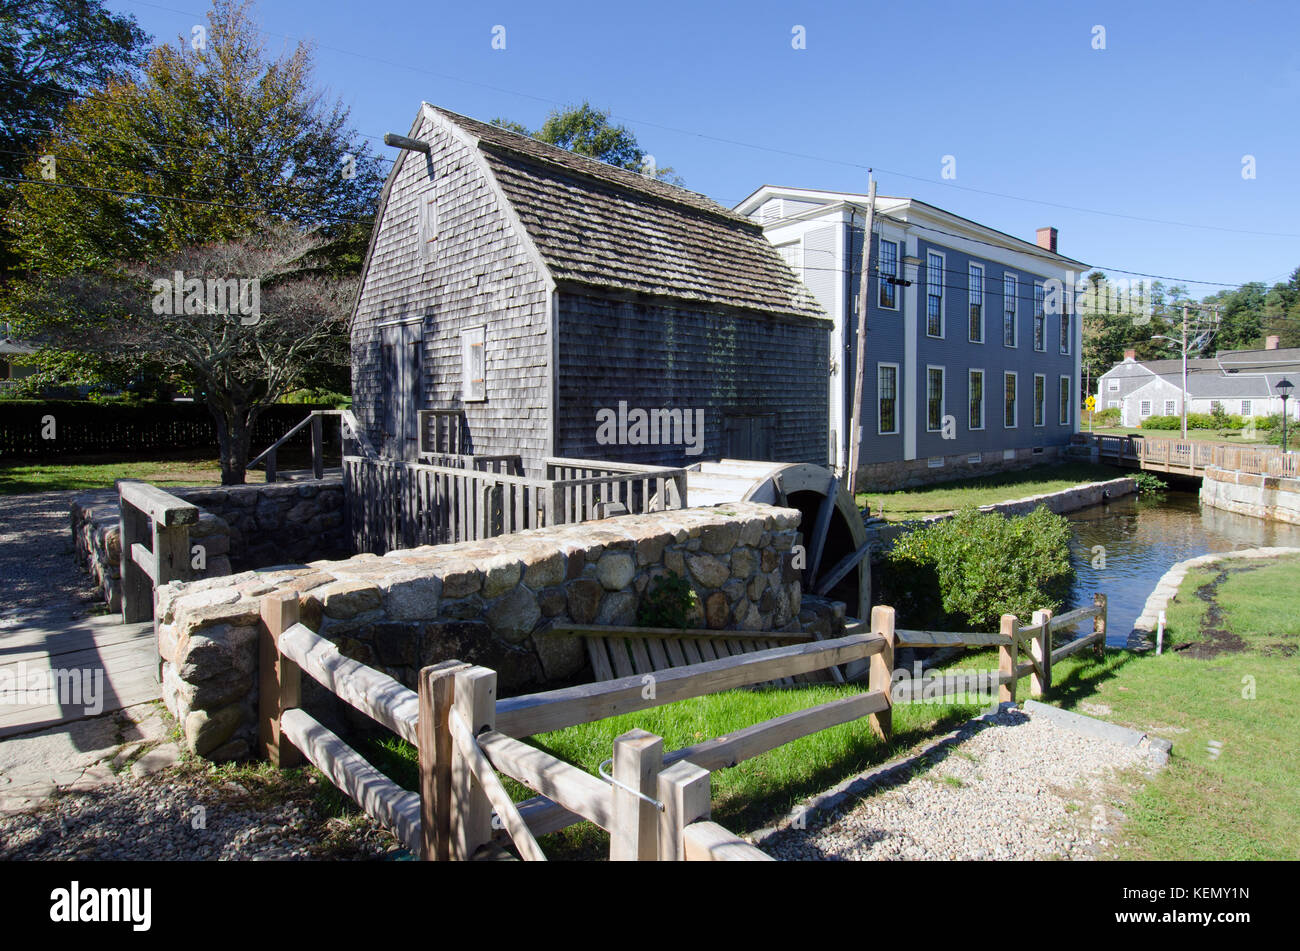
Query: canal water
[[1141, 540]]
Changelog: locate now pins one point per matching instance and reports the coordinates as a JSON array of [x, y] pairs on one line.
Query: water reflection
[[1142, 540]]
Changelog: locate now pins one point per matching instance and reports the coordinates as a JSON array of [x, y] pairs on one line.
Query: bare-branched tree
[[239, 320]]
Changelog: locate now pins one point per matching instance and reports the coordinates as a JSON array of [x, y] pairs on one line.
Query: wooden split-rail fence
[[655, 804]]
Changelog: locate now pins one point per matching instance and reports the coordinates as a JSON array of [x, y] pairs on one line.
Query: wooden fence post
[[880, 674], [437, 690], [317, 446], [471, 811], [1007, 659], [1099, 623], [638, 758], [137, 589], [279, 679], [1040, 649], [684, 790]]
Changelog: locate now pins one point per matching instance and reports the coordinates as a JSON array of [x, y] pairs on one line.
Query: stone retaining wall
[[1250, 494], [883, 534], [485, 603], [239, 528]]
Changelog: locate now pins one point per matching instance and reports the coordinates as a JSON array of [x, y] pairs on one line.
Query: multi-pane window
[[1112, 385], [1010, 288], [1066, 401], [1009, 400], [1245, 408], [976, 284], [1065, 333], [1040, 318], [1040, 398], [888, 268], [887, 374], [1170, 409], [934, 398], [934, 294], [976, 399], [1144, 408]]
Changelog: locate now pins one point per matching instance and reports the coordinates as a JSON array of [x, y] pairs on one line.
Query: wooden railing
[[654, 804], [1191, 455], [154, 528], [349, 432], [587, 488], [396, 504]]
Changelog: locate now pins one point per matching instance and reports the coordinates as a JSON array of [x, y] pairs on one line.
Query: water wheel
[[837, 564]]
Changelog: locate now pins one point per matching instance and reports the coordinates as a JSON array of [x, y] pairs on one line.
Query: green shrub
[[969, 570], [668, 603], [1150, 484], [318, 397], [1107, 417]]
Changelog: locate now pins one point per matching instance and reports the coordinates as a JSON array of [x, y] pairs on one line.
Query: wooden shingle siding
[[481, 276], [661, 354]]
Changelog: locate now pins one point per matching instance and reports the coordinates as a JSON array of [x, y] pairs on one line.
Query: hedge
[[130, 430], [1194, 421]]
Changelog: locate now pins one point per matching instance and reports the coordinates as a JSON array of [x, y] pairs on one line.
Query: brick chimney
[[1271, 342], [1047, 239], [1130, 356]]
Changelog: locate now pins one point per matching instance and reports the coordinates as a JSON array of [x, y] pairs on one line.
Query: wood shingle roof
[[599, 225]]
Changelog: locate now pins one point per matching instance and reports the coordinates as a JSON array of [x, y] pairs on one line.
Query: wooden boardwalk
[[114, 666]]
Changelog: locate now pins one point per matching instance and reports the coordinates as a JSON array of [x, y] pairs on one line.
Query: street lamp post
[[1284, 386]]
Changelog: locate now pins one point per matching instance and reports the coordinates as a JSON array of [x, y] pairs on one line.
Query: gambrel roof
[[598, 225]]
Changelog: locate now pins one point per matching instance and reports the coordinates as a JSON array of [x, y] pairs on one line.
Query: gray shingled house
[[535, 294]]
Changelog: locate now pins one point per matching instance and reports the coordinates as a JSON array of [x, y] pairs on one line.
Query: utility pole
[[1183, 399], [855, 428]]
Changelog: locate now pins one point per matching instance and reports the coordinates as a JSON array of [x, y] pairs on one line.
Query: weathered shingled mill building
[[521, 289]]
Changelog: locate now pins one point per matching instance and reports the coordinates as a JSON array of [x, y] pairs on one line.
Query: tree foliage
[[589, 131], [203, 146]]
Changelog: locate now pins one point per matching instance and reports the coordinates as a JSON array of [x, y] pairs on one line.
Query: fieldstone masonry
[[239, 528], [486, 603]]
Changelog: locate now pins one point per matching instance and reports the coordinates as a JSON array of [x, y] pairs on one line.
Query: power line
[[751, 145]]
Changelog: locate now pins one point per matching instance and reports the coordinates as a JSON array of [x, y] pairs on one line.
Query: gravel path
[[1010, 787], [176, 817]]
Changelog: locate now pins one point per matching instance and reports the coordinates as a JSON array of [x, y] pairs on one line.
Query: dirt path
[[39, 576]]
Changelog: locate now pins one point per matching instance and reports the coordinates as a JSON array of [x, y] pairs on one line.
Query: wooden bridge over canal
[[1189, 456]]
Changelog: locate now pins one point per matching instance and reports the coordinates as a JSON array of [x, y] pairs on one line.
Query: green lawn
[[90, 472], [1203, 435], [984, 490], [1244, 803]]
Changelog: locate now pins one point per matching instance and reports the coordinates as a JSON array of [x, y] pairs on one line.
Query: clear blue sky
[[1155, 126]]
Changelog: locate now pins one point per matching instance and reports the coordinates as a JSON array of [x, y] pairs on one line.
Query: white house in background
[[12, 352], [1242, 382], [957, 330]]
